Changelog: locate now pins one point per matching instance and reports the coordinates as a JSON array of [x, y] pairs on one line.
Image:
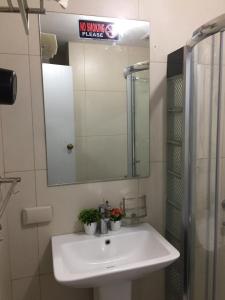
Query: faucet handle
[[101, 209]]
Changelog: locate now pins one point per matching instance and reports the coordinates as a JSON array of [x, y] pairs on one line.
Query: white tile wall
[[50, 289], [23, 129], [106, 113], [9, 44], [148, 287], [37, 113], [154, 187], [172, 22], [17, 119], [108, 79], [136, 54], [81, 158], [23, 241], [106, 157], [77, 62], [80, 113], [157, 111], [27, 288], [5, 275], [33, 39], [5, 282]]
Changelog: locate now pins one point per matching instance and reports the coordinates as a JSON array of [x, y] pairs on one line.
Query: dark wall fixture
[[8, 86], [175, 204]]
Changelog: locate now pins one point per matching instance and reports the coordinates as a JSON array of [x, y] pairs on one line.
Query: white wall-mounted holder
[[135, 207], [25, 10], [37, 215], [13, 181]]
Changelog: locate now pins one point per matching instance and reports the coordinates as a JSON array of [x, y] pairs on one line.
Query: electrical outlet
[[1, 233]]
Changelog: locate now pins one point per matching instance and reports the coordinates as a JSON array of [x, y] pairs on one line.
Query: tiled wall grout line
[[34, 154]]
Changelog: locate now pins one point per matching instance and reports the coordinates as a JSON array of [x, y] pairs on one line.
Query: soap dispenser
[[8, 86]]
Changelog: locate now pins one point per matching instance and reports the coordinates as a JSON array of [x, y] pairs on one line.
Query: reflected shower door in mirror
[[96, 97]]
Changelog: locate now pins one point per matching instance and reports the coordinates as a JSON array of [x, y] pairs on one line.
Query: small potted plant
[[115, 218], [90, 218]]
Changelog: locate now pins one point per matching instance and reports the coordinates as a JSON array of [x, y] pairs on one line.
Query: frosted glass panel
[[59, 113]]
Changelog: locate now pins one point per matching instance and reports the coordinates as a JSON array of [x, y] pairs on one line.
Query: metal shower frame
[[131, 140], [208, 29]]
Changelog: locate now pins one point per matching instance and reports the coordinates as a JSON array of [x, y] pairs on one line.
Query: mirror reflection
[[96, 97]]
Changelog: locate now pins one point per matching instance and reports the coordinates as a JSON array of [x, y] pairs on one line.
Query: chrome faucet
[[103, 226]]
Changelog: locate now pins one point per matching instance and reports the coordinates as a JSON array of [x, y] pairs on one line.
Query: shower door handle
[[70, 147], [223, 204]]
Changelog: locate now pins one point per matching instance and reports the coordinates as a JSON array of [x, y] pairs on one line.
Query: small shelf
[[176, 205], [175, 174], [135, 207], [9, 179], [175, 109], [175, 143]]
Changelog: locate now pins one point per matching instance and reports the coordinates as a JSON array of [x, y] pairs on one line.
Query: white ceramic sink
[[80, 260]]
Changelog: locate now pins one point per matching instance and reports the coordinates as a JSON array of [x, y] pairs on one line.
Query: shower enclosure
[[199, 215], [137, 77]]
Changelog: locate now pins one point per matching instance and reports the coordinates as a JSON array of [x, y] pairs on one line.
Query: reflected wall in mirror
[[96, 97]]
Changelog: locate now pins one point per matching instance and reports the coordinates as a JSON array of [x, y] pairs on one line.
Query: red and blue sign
[[98, 30]]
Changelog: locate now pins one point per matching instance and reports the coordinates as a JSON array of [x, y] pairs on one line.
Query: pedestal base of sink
[[117, 290]]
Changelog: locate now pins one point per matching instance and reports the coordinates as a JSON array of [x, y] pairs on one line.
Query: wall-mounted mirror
[[96, 97]]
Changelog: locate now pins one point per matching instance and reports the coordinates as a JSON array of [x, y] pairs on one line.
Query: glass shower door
[[138, 123], [220, 212], [204, 143]]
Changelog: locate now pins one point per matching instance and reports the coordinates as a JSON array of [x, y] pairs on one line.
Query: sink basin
[[80, 260]]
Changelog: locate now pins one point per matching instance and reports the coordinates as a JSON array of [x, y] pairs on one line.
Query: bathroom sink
[[80, 260]]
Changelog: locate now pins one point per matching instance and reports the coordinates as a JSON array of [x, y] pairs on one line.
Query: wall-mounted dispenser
[[8, 86]]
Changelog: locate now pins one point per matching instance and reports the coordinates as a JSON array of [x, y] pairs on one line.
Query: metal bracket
[[13, 181], [24, 15], [135, 207]]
